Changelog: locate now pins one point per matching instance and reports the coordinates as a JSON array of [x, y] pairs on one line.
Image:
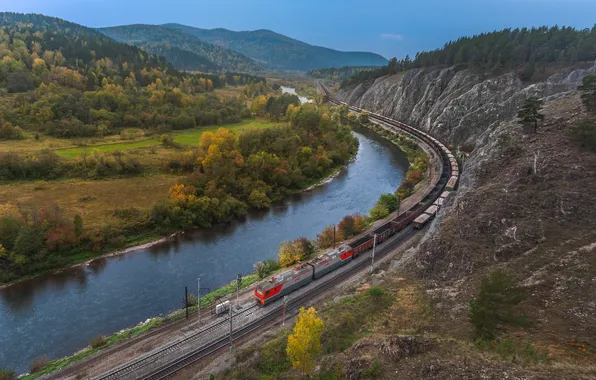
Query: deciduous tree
[[304, 344]]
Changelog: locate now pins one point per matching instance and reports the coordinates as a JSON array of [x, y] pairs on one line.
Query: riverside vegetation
[[63, 83]]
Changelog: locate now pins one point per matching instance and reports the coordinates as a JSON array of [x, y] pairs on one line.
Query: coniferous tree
[[529, 114], [588, 87]]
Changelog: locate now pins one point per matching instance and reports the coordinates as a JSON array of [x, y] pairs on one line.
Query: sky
[[390, 28]]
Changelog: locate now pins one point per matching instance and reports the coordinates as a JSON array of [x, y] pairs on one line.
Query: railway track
[[211, 339], [293, 304], [139, 363]]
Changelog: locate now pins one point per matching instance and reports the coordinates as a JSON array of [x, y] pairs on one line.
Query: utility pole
[[238, 283], [230, 310], [334, 236], [398, 204], [186, 301], [372, 264], [199, 299], [283, 311]]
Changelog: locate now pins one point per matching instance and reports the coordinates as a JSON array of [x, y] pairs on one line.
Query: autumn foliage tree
[[328, 237], [351, 225], [304, 344], [293, 251]]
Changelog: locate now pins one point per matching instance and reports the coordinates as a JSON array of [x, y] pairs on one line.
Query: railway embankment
[[526, 205]]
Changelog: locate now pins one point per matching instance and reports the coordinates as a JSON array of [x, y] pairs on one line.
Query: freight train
[[418, 215]]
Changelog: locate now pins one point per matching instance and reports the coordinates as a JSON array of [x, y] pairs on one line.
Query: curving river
[[60, 313]]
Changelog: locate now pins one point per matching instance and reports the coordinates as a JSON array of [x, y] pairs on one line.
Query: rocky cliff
[[454, 105]]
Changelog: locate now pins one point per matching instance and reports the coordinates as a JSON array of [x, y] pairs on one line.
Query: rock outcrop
[[454, 105]]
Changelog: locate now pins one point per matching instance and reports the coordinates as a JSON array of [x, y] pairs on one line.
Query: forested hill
[[183, 50], [530, 52], [65, 80], [281, 52]]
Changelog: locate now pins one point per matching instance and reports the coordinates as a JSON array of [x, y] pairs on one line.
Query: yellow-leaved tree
[[304, 343]]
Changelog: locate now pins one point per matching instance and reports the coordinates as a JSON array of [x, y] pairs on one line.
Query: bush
[[375, 291], [585, 133], [289, 253], [351, 225], [378, 212], [264, 268], [7, 374], [495, 305], [118, 241], [99, 341], [40, 185], [7, 131], [167, 140], [326, 238], [39, 364], [191, 300]]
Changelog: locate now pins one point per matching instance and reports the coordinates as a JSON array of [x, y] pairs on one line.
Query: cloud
[[388, 36]]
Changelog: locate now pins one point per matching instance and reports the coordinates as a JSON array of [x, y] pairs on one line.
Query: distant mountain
[[183, 50], [278, 51]]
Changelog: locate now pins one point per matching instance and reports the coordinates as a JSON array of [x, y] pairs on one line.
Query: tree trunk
[[535, 126]]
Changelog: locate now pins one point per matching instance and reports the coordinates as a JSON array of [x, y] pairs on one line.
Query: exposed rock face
[[454, 105]]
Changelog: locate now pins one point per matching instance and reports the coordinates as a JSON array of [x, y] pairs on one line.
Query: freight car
[[304, 273]]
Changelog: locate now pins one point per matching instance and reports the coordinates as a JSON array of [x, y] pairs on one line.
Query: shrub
[[7, 374], [9, 132], [495, 305], [167, 140], [351, 225], [40, 185], [585, 133], [99, 341], [289, 253], [326, 238], [378, 212], [118, 241], [375, 291], [38, 364], [191, 300], [264, 268]]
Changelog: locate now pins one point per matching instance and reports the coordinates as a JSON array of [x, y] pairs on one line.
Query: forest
[[83, 84], [530, 52], [183, 50], [338, 74]]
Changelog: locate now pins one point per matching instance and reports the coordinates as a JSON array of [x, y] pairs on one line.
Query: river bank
[[143, 242], [153, 323], [61, 313]]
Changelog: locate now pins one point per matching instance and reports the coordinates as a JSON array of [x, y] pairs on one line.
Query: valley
[[157, 162]]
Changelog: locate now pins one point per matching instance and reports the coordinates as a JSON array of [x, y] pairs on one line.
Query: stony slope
[[454, 104]]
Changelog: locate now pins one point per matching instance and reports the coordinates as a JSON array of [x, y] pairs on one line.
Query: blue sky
[[390, 28]]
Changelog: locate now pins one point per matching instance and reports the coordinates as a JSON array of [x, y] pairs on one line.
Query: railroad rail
[[171, 358]]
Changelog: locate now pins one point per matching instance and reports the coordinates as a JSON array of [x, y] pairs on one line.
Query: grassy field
[[93, 200], [76, 152], [188, 137], [192, 136]]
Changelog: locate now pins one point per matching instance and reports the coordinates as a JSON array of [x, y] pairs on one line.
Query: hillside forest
[[528, 51]]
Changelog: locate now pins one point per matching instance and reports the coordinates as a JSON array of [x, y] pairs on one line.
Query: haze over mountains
[[187, 48]]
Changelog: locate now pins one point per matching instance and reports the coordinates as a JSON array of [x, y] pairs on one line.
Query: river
[[292, 91], [58, 314]]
